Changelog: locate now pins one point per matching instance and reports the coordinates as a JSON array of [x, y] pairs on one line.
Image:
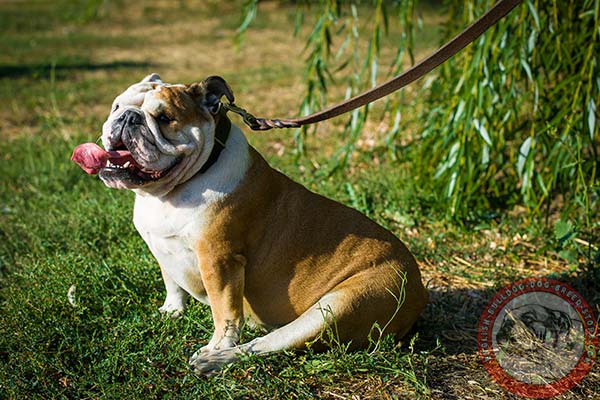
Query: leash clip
[[260, 124], [248, 118]]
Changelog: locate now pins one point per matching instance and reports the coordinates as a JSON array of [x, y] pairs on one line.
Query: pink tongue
[[91, 157]]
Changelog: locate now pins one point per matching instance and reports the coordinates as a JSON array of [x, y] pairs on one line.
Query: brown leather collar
[[221, 135]]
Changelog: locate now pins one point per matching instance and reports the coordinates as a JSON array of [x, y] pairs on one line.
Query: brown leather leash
[[469, 35]]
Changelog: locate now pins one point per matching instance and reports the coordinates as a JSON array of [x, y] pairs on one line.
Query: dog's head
[[160, 135]]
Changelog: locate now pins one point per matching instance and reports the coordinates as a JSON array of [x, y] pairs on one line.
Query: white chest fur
[[171, 225]]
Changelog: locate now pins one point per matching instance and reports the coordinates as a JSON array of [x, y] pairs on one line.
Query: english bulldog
[[235, 234], [543, 323]]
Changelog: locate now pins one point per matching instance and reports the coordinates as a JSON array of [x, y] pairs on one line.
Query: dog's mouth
[[115, 165]]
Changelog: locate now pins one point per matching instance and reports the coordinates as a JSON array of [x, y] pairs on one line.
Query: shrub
[[511, 120]]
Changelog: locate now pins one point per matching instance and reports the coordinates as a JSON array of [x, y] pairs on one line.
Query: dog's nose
[[133, 118]]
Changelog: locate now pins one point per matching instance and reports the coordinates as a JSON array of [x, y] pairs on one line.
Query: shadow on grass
[[451, 319], [45, 69]]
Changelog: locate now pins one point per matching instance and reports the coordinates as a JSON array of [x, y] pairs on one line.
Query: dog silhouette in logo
[[540, 323]]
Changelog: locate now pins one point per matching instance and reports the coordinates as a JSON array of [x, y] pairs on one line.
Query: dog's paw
[[209, 362], [171, 310], [225, 342]]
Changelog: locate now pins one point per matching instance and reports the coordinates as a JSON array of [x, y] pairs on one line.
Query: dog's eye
[[115, 108], [164, 118]]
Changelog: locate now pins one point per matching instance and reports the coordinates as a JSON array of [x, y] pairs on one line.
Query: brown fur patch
[[179, 107], [299, 246]]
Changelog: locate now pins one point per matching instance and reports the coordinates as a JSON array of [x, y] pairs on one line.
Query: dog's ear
[[210, 91], [153, 77], [216, 86]]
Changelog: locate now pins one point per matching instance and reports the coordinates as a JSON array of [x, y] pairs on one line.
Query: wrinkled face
[[160, 135]]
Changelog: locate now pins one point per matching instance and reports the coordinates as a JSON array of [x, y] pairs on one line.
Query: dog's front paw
[[229, 337], [215, 343], [172, 310], [209, 362]]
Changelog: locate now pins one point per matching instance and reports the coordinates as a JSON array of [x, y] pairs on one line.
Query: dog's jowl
[[236, 234]]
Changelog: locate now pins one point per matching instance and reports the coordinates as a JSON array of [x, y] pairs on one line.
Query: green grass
[[62, 229]]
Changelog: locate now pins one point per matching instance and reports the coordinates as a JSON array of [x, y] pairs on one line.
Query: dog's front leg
[[174, 304], [223, 279]]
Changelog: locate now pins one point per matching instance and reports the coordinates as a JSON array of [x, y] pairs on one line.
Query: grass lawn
[[63, 232]]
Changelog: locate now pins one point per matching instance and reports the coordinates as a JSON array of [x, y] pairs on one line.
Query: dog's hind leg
[[306, 328], [347, 314]]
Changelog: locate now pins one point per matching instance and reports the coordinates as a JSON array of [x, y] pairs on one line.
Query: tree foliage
[[513, 119]]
